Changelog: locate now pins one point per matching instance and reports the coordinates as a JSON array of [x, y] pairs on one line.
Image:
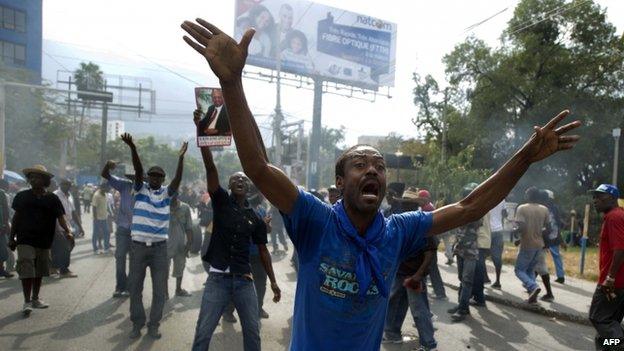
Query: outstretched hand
[[277, 293], [183, 149], [225, 56], [127, 138], [549, 139]]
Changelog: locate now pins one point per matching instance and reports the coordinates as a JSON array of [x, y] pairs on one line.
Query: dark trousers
[[436, 278], [60, 252], [260, 278], [606, 317], [154, 257], [122, 248], [479, 277]]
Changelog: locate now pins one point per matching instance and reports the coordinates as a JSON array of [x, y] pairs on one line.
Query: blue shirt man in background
[[124, 223]]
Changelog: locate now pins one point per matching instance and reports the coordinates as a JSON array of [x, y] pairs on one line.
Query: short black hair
[[344, 157], [533, 194]]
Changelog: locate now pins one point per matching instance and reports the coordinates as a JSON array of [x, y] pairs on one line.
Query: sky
[[148, 31]]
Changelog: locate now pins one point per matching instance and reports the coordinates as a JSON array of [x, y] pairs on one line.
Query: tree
[[553, 55], [88, 77]]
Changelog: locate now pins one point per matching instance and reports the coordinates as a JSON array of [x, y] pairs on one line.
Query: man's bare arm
[[136, 161], [544, 142], [227, 59], [265, 257], [177, 179], [212, 175]]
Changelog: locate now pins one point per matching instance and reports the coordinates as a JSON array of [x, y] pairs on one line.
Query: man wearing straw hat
[[36, 214]]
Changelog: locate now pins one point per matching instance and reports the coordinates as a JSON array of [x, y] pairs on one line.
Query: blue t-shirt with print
[[329, 313]]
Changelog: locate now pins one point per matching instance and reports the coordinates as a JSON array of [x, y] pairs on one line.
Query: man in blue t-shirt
[[349, 253]]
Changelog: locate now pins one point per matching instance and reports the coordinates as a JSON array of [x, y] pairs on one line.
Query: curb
[[570, 317]]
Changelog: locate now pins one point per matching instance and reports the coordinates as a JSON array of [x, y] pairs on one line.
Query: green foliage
[[548, 61]]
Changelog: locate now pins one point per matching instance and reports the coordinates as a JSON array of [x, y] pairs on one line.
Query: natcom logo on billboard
[[373, 22]]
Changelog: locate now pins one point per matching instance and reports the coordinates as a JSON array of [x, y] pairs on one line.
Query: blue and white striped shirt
[[150, 217]]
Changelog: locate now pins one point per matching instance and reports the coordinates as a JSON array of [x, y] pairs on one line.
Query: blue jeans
[[466, 268], [400, 299], [479, 277], [436, 279], [100, 233], [122, 249], [525, 267], [220, 291], [556, 255]]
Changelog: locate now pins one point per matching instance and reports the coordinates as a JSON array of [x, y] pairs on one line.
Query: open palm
[[549, 139], [225, 56]]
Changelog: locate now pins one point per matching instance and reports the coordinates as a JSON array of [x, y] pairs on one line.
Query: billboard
[[310, 39]]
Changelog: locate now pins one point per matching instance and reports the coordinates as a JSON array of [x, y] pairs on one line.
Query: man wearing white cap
[[36, 213]]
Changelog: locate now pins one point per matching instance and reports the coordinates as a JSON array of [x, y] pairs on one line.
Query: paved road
[[84, 316]]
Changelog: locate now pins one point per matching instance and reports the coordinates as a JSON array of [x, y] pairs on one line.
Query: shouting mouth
[[370, 191]]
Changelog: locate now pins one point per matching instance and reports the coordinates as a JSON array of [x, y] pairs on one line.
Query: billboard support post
[[315, 139]]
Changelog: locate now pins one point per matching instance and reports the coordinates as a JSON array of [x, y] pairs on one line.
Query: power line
[[560, 9]]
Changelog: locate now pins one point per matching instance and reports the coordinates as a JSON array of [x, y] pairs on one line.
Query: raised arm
[[544, 142], [136, 161], [227, 59], [212, 175], [108, 167], [177, 179]]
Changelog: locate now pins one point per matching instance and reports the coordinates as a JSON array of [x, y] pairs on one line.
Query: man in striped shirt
[[150, 225]]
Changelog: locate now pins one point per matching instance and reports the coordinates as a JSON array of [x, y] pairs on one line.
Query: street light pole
[[398, 155], [616, 151]]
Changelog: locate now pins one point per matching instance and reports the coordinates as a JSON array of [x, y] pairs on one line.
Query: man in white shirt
[[61, 247], [497, 215]]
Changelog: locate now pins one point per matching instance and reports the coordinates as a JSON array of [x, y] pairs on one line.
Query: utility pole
[[104, 133], [315, 136], [444, 110], [616, 152], [2, 126], [277, 118]]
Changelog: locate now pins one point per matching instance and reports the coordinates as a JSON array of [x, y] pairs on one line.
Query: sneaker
[[118, 294], [136, 332], [98, 252], [533, 295], [441, 298], [106, 252], [229, 317], [263, 314], [453, 310], [125, 293], [54, 271], [154, 333], [459, 315], [424, 348], [392, 340], [548, 298], [182, 293], [27, 309], [560, 280], [68, 274], [39, 304], [496, 285]]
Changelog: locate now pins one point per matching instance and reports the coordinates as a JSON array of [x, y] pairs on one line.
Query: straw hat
[[40, 169]]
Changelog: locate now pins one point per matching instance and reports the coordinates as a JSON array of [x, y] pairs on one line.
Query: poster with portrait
[[213, 128]]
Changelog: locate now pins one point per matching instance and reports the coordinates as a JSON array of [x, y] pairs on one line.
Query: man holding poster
[[215, 124]]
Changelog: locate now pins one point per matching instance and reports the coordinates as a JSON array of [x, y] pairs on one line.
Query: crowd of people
[[363, 250]]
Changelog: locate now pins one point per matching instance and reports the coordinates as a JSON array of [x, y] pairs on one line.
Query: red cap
[[424, 193]]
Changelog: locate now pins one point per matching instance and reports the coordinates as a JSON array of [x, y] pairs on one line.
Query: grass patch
[[571, 261]]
